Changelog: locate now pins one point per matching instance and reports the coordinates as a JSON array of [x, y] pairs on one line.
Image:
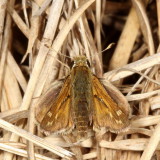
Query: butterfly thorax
[[81, 95]]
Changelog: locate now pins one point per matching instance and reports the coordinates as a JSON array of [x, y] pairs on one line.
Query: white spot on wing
[[49, 123], [110, 114], [118, 121], [119, 112], [49, 114]]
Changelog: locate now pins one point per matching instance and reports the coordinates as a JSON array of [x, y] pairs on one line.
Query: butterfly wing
[[107, 113], [56, 116]]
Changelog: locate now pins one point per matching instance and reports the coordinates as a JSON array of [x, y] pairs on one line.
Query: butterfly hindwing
[[107, 113]]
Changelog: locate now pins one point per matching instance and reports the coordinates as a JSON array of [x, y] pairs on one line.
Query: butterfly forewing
[[58, 117], [107, 113], [47, 99]]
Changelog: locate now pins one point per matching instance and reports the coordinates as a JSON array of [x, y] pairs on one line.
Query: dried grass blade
[[146, 121], [152, 145], [37, 140], [142, 95], [139, 65], [17, 71], [144, 23], [129, 144], [21, 152]]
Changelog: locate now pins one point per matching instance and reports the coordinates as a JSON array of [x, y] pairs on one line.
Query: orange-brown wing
[[107, 113], [56, 117]]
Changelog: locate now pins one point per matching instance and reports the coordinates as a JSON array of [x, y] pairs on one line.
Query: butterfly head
[[80, 61]]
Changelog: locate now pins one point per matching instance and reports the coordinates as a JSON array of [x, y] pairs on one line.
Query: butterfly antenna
[[59, 53]]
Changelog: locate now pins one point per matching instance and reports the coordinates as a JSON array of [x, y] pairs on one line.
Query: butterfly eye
[[72, 64], [89, 65]]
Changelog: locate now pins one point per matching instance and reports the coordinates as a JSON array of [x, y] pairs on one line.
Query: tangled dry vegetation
[[35, 36]]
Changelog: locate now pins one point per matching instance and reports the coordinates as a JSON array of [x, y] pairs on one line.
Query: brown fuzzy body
[[81, 98]]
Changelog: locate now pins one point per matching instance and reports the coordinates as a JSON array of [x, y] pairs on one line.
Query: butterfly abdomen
[[81, 99], [81, 119]]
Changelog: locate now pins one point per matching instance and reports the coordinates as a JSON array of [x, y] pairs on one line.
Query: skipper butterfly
[[81, 102]]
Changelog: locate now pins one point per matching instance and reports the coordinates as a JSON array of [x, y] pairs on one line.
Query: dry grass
[[35, 36]]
